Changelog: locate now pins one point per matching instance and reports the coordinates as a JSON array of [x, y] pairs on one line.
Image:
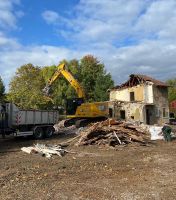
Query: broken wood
[[117, 138], [45, 150], [112, 133]]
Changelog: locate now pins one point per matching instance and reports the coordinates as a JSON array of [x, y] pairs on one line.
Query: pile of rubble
[[111, 132]]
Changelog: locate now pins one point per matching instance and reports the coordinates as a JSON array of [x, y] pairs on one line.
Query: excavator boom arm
[[69, 77]]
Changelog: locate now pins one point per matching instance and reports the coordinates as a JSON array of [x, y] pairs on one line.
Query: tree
[[172, 89], [2, 90], [26, 88], [93, 74], [27, 84], [89, 72], [101, 90]]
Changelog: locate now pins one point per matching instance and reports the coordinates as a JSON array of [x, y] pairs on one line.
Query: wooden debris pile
[[111, 132]]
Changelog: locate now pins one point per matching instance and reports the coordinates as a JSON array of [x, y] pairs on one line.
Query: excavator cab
[[72, 104]]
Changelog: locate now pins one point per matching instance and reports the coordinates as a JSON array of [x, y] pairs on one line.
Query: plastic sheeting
[[155, 132]]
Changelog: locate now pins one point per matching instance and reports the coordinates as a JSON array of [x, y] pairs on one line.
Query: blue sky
[[33, 29], [128, 36]]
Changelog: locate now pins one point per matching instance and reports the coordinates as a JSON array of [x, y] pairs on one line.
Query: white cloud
[[159, 19], [99, 20], [43, 55], [8, 43], [50, 16], [132, 37], [8, 17]]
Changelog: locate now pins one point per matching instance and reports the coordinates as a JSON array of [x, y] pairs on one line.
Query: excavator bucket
[[46, 90]]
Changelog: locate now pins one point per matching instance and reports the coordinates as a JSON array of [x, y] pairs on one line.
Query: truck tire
[[38, 133], [49, 132]]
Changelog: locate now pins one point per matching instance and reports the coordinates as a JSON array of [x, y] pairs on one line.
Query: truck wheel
[[38, 133], [49, 132]]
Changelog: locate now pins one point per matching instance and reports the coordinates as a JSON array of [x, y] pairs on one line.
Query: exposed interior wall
[[133, 111], [142, 93], [120, 95]]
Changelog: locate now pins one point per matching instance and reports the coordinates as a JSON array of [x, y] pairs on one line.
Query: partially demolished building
[[141, 99]]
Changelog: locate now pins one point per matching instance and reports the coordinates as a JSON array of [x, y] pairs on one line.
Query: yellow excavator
[[77, 111]]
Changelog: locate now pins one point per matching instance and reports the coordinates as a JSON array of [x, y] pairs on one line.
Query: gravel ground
[[91, 173]]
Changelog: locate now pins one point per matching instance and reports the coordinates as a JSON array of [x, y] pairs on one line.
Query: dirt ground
[[91, 173]]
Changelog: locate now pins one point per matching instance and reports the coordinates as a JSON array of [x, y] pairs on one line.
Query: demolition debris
[[112, 133], [45, 150]]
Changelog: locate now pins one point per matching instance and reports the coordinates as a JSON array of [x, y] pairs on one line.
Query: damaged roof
[[136, 79]]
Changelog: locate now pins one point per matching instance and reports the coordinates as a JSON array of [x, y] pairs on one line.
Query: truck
[[21, 122]]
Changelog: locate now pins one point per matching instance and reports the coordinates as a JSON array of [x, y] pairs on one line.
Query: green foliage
[[172, 89], [47, 72], [2, 90], [95, 81], [26, 88], [27, 84], [103, 83]]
